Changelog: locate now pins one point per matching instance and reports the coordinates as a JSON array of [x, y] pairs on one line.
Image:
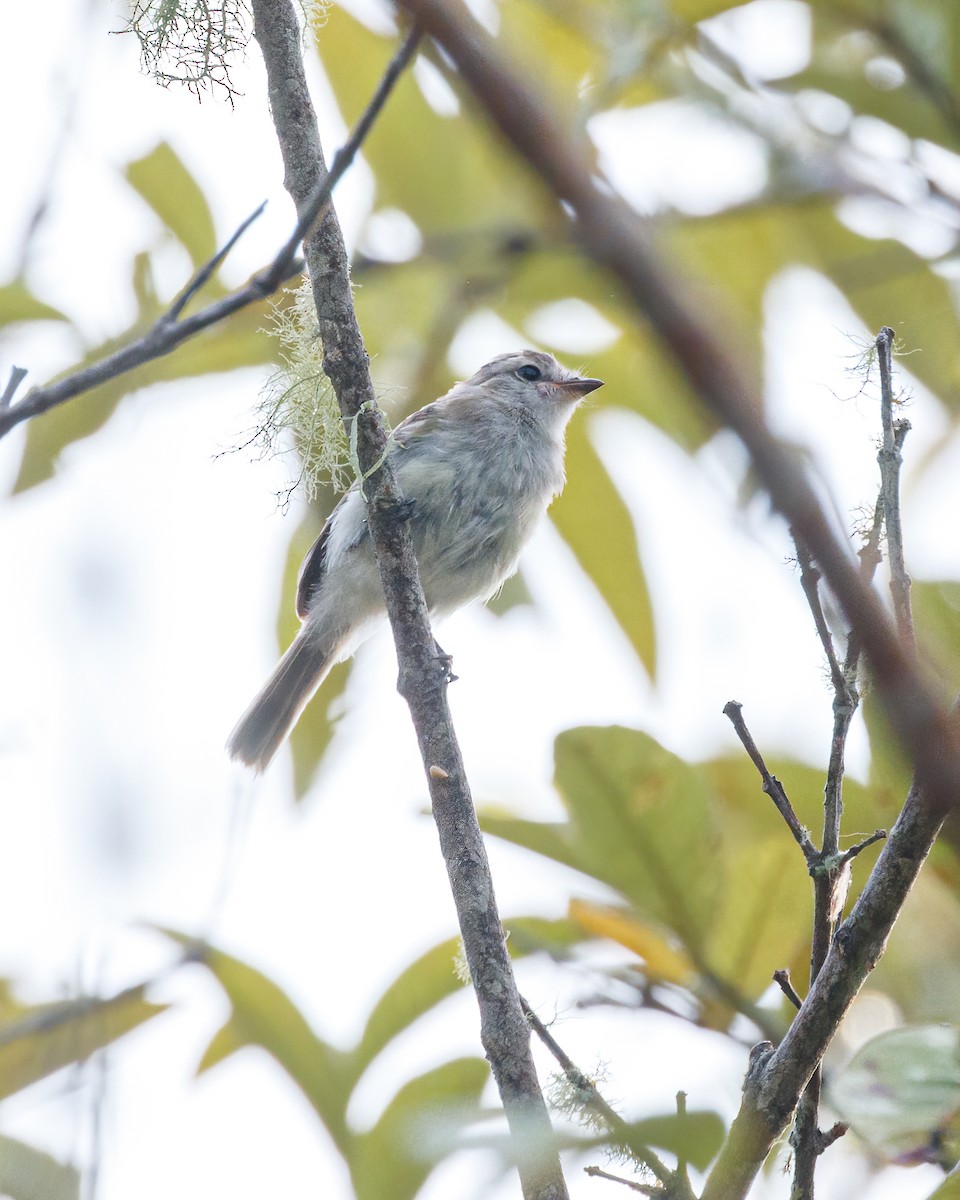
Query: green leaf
[[533, 935], [17, 303], [595, 523], [263, 1015], [27, 1173], [51, 1036], [763, 917], [420, 1127], [949, 1189], [453, 173], [240, 342], [643, 823], [901, 1088], [421, 986], [694, 1136], [936, 613], [164, 182], [555, 840]]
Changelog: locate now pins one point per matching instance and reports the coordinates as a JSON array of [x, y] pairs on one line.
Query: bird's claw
[[446, 663]]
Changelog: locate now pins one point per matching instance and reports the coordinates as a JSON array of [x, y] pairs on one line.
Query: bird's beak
[[579, 387]]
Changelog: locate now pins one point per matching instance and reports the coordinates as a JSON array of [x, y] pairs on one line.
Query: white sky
[[136, 619]]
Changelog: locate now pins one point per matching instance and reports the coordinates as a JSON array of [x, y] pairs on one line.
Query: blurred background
[[798, 163]]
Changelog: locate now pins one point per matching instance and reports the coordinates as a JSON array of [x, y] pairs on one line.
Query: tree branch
[[423, 678], [589, 1097], [890, 461], [612, 235], [166, 334], [771, 785]]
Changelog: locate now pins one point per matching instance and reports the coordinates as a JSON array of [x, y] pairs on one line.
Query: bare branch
[[170, 330], [645, 1189], [810, 582], [849, 855], [782, 979], [17, 376], [590, 1097], [210, 268], [771, 785]]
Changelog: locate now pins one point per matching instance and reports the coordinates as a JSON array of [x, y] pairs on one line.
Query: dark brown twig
[[810, 583], [782, 979], [849, 855], [771, 785]]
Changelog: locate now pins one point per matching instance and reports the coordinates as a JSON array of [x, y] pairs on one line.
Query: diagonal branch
[[172, 329], [733, 710], [423, 678], [590, 1097], [613, 236]]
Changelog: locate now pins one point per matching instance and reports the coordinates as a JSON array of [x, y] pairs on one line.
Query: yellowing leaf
[[664, 962], [52, 1036]]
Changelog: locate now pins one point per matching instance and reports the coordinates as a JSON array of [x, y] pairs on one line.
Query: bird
[[478, 469]]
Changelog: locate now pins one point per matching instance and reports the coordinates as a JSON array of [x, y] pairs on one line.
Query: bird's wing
[[419, 424], [312, 569], [407, 435]]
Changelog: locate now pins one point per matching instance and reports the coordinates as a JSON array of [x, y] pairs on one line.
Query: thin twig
[[890, 460], [17, 375], [782, 979], [210, 268], [591, 1098], [771, 785], [810, 582], [831, 872], [645, 1189], [836, 1130], [167, 333], [851, 854]]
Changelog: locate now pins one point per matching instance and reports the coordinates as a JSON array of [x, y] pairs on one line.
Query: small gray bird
[[481, 465]]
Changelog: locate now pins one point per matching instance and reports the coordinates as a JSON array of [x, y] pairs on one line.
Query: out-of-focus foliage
[[901, 1093], [853, 143], [35, 1041], [394, 1156], [714, 893], [164, 183], [429, 1116], [849, 139], [27, 1173]]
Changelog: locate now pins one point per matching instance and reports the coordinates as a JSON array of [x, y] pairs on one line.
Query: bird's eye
[[530, 373]]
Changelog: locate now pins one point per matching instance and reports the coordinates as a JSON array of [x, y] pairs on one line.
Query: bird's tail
[[260, 731]]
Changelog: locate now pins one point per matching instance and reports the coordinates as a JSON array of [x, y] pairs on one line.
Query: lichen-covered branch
[[423, 678]]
